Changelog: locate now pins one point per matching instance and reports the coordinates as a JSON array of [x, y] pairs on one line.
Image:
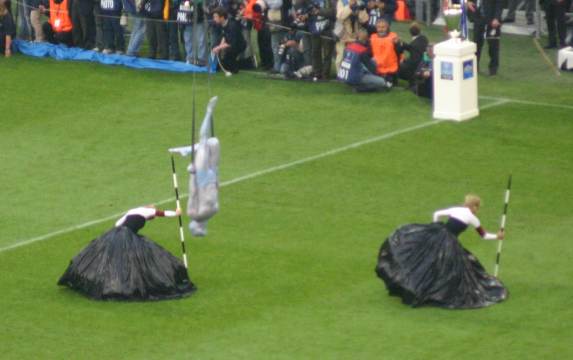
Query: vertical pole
[[181, 235], [502, 226]]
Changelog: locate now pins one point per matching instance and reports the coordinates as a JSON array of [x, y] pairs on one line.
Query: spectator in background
[[374, 14], [486, 15], [512, 6], [58, 29], [255, 14], [423, 77], [98, 21], [555, 17], [387, 8], [172, 27], [275, 20], [232, 42], [24, 30], [357, 68], [349, 14], [7, 29], [194, 36], [416, 49], [83, 32], [384, 51], [112, 30], [299, 16], [35, 20], [321, 23], [134, 8], [156, 29]]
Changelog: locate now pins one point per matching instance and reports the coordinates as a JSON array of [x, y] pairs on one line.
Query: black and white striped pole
[[181, 235], [502, 227]]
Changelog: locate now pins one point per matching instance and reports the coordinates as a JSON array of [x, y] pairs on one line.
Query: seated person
[[232, 42], [416, 50], [423, 80], [383, 45], [7, 29], [58, 29], [357, 68], [291, 54]]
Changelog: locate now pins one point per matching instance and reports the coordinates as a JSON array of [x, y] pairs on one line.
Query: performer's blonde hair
[[472, 200]]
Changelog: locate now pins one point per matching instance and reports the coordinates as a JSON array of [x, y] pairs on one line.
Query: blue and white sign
[[468, 69], [447, 70]]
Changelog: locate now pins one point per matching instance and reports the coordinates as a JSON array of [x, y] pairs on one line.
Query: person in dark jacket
[[555, 17], [486, 18], [156, 29], [112, 30], [232, 43], [416, 49], [321, 24], [84, 29], [7, 29]]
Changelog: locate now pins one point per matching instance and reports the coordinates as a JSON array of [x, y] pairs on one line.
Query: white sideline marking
[[497, 103], [18, 244], [527, 102], [227, 183]]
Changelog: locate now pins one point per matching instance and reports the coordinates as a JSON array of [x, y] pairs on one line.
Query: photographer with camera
[[300, 14], [321, 23], [349, 15], [292, 57], [357, 68]]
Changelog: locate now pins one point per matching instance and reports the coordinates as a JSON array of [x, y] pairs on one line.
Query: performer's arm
[[167, 213], [485, 235], [440, 213]]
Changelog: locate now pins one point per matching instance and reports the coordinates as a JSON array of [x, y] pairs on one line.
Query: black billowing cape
[[123, 265], [426, 265]]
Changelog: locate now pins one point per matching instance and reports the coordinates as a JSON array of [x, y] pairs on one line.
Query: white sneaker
[[96, 49], [106, 51]]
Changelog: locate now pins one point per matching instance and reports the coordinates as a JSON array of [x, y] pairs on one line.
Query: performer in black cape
[[425, 264], [123, 265]]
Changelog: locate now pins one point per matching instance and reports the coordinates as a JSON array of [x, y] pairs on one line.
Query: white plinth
[[565, 58], [455, 80]]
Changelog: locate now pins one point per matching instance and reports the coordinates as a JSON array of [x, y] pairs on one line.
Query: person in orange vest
[[384, 54], [58, 29]]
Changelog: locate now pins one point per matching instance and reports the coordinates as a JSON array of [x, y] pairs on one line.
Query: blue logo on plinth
[[447, 70], [468, 69]]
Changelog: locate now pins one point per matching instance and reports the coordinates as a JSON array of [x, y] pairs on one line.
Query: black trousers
[[265, 49], [84, 29], [156, 31], [113, 34], [56, 37], [483, 32], [229, 60], [555, 16], [322, 52]]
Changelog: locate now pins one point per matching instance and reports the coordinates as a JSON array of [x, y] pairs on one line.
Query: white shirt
[[466, 216], [147, 212]]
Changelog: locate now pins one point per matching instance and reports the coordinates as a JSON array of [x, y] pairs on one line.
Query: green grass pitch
[[314, 178]]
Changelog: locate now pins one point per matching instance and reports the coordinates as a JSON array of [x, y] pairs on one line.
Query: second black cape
[[425, 264], [123, 265]]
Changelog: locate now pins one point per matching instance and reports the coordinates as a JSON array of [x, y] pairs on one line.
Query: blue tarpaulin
[[62, 52]]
